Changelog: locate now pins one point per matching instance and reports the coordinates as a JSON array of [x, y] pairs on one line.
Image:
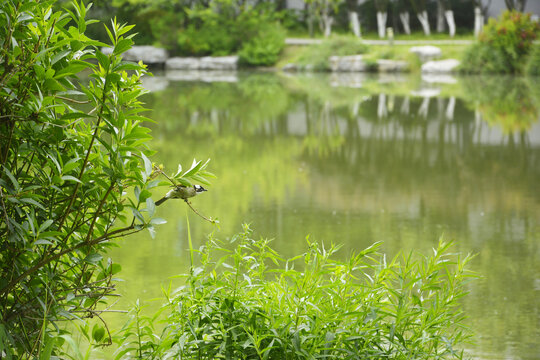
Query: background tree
[[382, 15], [402, 10], [354, 20], [518, 5], [420, 7]]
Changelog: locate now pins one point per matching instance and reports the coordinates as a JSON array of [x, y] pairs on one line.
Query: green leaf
[[93, 258], [115, 268], [12, 178], [33, 202], [122, 46], [98, 333], [123, 66], [45, 225], [147, 165], [102, 59], [70, 178], [194, 168], [158, 221]]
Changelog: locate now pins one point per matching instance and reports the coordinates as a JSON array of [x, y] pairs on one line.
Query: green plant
[[484, 59], [511, 35], [264, 47], [74, 171], [247, 303]]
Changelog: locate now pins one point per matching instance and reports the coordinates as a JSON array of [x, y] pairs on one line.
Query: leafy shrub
[[209, 39], [485, 59], [508, 40], [317, 56], [533, 63], [70, 150], [247, 303], [264, 47], [253, 34]]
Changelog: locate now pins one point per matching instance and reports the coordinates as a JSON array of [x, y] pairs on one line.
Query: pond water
[[352, 160]]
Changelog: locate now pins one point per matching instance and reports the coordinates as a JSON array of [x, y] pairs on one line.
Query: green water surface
[[352, 160]]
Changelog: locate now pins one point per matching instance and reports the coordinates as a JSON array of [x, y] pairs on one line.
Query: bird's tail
[[161, 201]]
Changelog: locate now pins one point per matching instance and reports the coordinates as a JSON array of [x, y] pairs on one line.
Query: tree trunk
[[423, 18], [440, 17], [478, 21], [355, 23], [518, 5], [449, 14], [311, 18], [381, 23], [405, 21], [327, 21]]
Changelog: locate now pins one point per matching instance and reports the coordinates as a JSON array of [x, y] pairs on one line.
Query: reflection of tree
[[503, 101]]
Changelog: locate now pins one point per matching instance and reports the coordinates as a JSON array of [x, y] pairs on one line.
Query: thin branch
[[56, 256], [202, 216], [73, 100]]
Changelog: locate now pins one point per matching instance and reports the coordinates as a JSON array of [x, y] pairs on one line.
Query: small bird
[[181, 192]]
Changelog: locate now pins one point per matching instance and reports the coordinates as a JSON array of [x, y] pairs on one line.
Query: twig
[[196, 212], [72, 100]]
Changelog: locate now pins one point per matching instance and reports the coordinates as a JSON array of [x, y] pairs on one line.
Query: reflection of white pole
[[405, 21], [381, 23], [424, 108], [355, 23], [451, 23], [450, 108], [478, 116], [391, 100], [355, 108], [405, 106], [382, 111], [478, 21]]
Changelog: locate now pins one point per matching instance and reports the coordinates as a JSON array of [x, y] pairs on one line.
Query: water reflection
[[358, 159]]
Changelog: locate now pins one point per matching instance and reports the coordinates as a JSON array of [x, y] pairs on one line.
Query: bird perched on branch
[[181, 192]]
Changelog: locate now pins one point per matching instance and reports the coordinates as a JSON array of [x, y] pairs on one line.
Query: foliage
[[264, 47], [220, 29], [317, 56], [247, 303], [482, 58], [71, 149], [509, 37], [532, 67]]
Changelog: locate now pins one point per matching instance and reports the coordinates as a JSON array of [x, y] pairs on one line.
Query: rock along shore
[[155, 56]]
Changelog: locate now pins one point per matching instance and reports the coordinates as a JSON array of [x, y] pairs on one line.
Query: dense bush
[[254, 34], [264, 47], [247, 303], [504, 43], [70, 151], [481, 58]]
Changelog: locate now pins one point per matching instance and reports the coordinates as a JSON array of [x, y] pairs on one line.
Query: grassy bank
[[347, 45]]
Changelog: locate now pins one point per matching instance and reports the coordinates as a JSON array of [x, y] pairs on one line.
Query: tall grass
[[248, 303]]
